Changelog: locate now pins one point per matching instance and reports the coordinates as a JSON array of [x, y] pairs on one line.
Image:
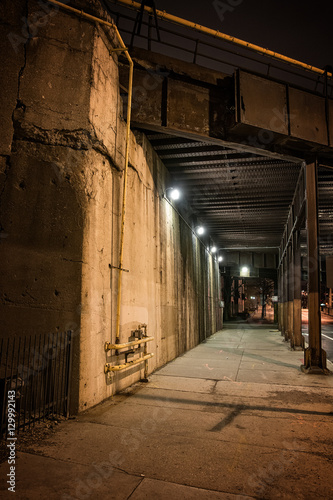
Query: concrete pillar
[[314, 355], [298, 341]]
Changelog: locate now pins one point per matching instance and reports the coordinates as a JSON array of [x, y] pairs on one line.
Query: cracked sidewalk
[[234, 418]]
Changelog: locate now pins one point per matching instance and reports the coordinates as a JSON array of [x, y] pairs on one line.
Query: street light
[[213, 249], [174, 195], [220, 258], [245, 271], [200, 230]]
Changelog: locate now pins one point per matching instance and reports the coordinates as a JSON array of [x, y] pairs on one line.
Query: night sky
[[299, 29]]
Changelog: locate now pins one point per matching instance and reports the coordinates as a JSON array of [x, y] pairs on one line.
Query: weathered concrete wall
[[62, 146], [172, 284]]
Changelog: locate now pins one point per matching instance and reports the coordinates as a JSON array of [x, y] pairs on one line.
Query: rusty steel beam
[[290, 292], [285, 299], [251, 128], [280, 306], [296, 214], [298, 340], [314, 355]]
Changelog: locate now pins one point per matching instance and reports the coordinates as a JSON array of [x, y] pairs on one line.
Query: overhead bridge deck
[[244, 111], [250, 148]]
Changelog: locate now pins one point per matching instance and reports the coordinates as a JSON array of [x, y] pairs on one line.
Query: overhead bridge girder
[[283, 110], [256, 113]]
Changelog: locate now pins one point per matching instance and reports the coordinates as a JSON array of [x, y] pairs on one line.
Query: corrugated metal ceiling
[[241, 198]]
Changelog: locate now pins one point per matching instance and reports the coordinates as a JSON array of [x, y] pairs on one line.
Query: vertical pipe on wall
[[123, 213], [122, 48]]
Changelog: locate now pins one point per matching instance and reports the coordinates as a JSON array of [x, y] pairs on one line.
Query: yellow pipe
[[217, 34], [117, 368], [128, 130], [110, 347], [122, 229]]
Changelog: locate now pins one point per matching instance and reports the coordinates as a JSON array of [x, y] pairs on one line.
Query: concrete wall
[[62, 146]]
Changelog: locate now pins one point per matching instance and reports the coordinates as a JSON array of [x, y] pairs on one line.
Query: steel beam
[[280, 300], [285, 297], [290, 292], [290, 269], [298, 340], [314, 355]]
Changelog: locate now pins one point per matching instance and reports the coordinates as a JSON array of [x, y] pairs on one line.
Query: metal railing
[[210, 52], [35, 377]]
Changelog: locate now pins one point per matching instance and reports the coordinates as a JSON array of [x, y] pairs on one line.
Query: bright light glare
[[175, 194], [244, 270], [213, 249], [220, 258], [200, 230]]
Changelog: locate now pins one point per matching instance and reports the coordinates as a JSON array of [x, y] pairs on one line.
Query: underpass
[[232, 419], [140, 215]]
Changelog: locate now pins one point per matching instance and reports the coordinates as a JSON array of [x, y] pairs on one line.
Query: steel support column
[[276, 294], [298, 341], [314, 355], [280, 298], [290, 292], [285, 297]]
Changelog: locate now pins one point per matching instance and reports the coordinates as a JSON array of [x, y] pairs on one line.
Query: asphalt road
[[326, 332]]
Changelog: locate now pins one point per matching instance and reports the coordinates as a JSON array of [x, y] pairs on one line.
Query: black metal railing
[[35, 376], [205, 50]]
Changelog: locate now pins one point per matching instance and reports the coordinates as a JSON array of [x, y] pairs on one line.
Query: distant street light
[[245, 271]]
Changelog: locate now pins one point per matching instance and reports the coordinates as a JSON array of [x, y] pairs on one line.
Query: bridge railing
[[197, 48]]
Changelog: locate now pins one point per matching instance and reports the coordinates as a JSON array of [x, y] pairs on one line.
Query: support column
[[314, 355], [290, 293], [227, 297], [285, 297], [280, 299], [276, 294], [298, 339]]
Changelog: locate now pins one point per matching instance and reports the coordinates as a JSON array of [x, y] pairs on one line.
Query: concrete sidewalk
[[234, 418]]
